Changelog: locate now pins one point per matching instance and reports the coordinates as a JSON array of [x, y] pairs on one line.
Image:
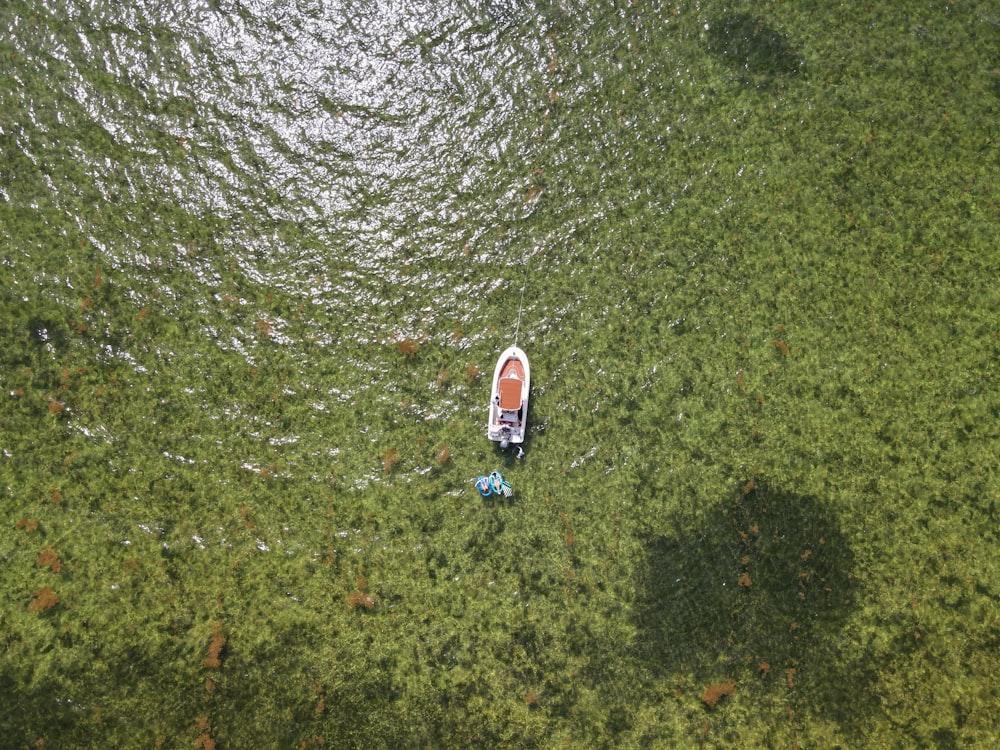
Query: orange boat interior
[[510, 383]]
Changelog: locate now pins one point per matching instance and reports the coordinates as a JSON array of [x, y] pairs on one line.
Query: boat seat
[[510, 393]]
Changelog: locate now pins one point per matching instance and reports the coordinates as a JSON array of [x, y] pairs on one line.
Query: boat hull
[[508, 422]]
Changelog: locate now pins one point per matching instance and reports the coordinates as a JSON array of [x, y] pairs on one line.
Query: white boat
[[509, 398]]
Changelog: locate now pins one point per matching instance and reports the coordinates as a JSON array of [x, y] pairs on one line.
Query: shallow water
[[259, 258]]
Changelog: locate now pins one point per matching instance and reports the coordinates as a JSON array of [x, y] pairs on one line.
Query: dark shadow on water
[[759, 586], [747, 44]]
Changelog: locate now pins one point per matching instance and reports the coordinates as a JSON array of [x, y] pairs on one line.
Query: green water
[[258, 259]]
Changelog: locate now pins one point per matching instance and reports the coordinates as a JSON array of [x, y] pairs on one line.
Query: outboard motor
[[505, 442]]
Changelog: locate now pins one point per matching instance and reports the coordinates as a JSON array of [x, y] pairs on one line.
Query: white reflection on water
[[362, 101]]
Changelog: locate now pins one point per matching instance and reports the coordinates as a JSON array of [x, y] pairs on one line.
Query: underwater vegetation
[[747, 43], [257, 257]]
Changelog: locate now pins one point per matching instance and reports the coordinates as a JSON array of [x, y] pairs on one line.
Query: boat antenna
[[520, 306]]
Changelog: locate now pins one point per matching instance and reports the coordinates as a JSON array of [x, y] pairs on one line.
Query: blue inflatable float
[[494, 484]]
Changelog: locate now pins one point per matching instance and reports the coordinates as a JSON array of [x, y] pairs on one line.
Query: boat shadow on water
[[758, 590]]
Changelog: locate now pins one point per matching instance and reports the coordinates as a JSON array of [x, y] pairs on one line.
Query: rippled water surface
[[258, 260]]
